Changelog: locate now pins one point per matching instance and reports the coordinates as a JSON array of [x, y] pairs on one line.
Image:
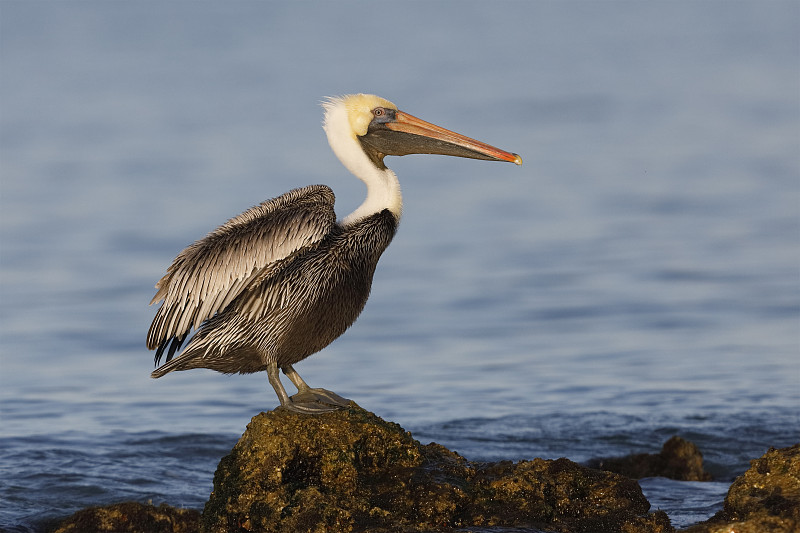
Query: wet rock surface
[[765, 499], [352, 471], [679, 459]]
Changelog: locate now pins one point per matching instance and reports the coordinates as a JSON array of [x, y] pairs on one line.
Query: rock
[[765, 499], [559, 494], [679, 459], [350, 470], [132, 517]]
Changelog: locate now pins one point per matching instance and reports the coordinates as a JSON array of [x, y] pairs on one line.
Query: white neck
[[383, 189]]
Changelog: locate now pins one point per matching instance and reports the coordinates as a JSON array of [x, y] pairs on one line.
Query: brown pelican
[[284, 279]]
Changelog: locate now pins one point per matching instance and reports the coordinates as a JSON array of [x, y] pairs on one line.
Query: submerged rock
[[679, 459], [131, 517], [765, 499], [350, 470]]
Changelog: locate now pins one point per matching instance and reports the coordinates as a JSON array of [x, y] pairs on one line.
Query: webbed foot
[[323, 396], [308, 407]]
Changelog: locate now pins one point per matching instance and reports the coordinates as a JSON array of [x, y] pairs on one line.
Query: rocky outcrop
[[765, 499], [679, 459], [350, 470]]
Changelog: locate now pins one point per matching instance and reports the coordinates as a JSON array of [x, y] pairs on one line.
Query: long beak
[[432, 139]]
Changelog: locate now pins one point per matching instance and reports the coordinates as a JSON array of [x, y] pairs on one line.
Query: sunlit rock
[[765, 499], [350, 470]]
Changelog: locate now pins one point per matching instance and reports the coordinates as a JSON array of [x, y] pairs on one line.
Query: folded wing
[[208, 275]]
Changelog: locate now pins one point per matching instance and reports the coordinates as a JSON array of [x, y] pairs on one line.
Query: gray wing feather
[[208, 275]]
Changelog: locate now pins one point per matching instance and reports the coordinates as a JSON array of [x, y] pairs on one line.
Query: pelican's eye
[[379, 112]]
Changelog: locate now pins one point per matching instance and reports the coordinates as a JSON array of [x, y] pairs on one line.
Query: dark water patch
[[686, 502], [48, 477]]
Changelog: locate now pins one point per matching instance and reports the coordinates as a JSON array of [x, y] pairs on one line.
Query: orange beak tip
[[517, 159]]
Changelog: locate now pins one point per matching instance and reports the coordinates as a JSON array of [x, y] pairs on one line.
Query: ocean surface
[[637, 278]]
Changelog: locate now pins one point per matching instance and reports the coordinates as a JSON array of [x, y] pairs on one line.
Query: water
[[636, 278]]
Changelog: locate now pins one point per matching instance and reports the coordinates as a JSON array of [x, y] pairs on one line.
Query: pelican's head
[[362, 129], [382, 130]]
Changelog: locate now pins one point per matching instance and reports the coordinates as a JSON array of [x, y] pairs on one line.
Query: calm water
[[637, 277]]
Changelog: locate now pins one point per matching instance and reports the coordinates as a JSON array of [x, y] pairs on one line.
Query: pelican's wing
[[210, 273]]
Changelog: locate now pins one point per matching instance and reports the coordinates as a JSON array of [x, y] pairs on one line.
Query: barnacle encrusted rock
[[350, 470]]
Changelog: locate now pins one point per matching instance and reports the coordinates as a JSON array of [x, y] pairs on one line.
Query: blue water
[[637, 277]]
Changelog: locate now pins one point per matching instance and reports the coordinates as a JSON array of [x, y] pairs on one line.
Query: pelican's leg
[[306, 394], [301, 405]]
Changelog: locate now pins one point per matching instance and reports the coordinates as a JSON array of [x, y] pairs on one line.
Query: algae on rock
[[132, 517], [350, 470]]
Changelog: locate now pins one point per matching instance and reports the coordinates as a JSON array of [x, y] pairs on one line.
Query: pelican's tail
[[168, 367]]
